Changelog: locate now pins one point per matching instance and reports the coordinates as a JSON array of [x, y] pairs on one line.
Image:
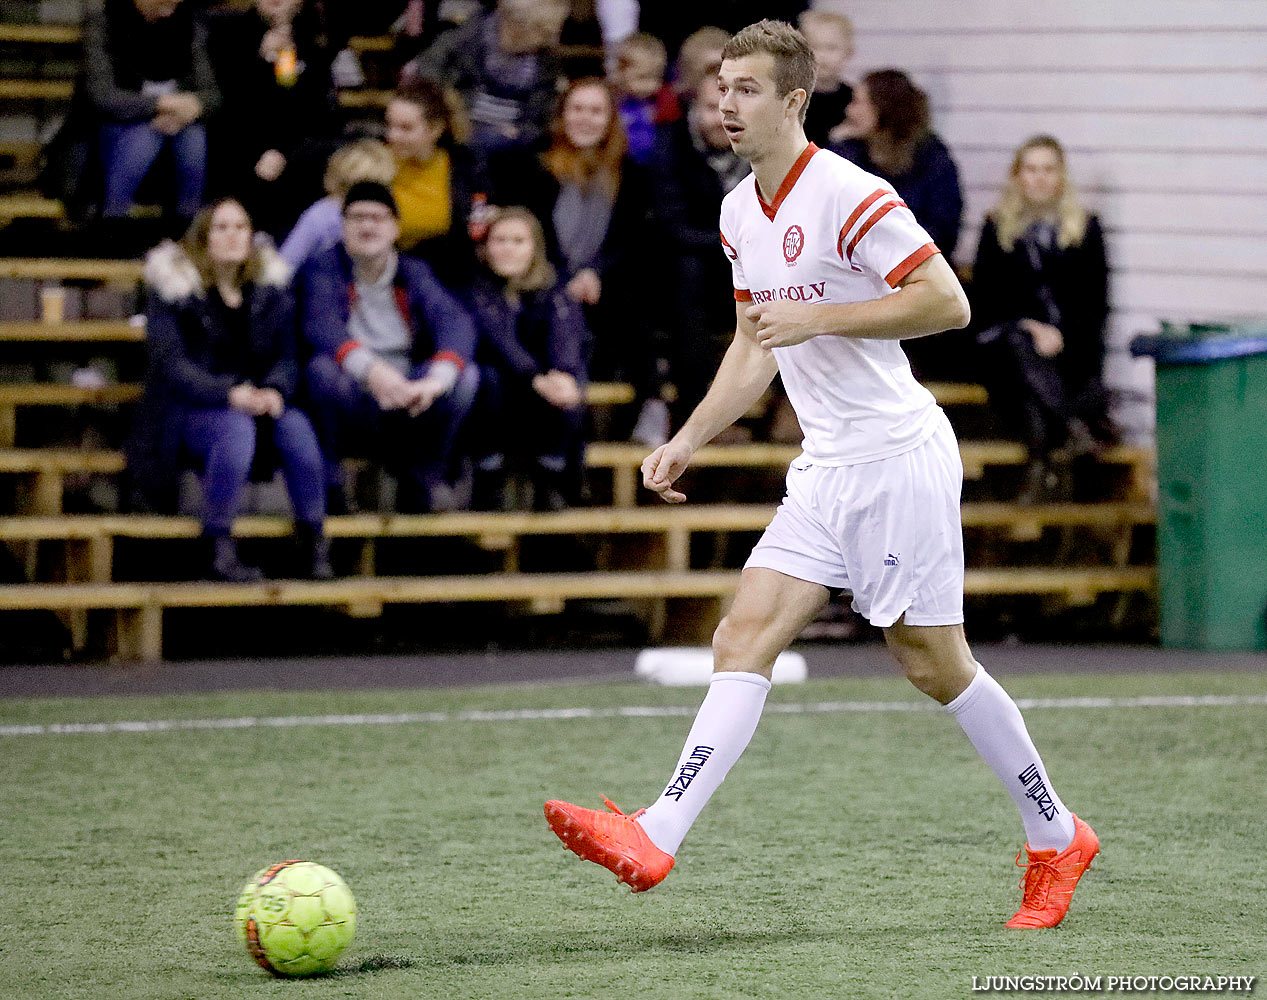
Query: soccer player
[[831, 270]]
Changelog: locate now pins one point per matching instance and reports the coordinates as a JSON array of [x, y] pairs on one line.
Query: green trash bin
[[1211, 484]]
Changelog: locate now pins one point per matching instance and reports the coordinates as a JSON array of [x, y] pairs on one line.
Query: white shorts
[[888, 531]]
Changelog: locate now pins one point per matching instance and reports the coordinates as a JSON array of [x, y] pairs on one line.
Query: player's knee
[[734, 642], [915, 657], [929, 668], [725, 639]]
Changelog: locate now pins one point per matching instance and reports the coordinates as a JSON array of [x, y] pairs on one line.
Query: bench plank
[[71, 269], [139, 607], [40, 34], [625, 459], [578, 521], [74, 331], [36, 90], [62, 394], [60, 460], [508, 587]]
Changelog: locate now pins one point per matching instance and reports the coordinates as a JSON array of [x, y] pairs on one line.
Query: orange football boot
[[1050, 878], [613, 840]]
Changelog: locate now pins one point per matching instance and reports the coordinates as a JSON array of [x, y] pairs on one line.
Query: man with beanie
[[391, 375]]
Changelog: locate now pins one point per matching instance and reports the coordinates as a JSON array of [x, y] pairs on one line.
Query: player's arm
[[928, 300], [744, 374]]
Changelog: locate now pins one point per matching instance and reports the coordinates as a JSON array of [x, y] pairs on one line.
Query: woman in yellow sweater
[[438, 183]]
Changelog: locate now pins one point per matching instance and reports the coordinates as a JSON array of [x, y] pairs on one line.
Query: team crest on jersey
[[793, 244]]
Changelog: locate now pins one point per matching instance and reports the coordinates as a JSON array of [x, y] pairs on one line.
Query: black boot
[[225, 564], [314, 552], [336, 500], [488, 489], [548, 489]]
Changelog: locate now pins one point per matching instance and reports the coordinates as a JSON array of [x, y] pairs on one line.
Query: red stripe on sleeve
[[894, 277], [450, 356], [345, 349], [865, 228], [743, 295], [855, 215]]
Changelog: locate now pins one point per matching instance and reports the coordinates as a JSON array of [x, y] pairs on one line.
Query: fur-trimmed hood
[[172, 275]]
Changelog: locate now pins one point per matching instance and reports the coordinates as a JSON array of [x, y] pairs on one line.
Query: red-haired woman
[[594, 203]]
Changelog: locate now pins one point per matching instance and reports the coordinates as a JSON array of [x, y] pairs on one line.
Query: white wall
[[1162, 106]]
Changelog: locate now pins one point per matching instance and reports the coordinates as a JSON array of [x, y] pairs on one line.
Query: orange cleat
[[1050, 878], [612, 840]]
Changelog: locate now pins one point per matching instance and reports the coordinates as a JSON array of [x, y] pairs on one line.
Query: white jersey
[[835, 233]]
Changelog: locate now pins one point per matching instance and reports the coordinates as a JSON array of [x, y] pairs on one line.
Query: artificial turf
[[851, 853]]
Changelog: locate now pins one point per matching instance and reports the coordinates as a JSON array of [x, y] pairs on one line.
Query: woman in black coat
[[532, 374], [221, 368], [1039, 304]]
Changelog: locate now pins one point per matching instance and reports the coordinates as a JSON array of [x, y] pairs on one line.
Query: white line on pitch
[[629, 711]]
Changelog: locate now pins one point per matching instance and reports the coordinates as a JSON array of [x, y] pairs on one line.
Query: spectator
[[222, 369], [272, 132], [151, 86], [321, 225], [889, 133], [694, 169], [1040, 302], [595, 205], [645, 101], [698, 60], [830, 36], [532, 376], [501, 64], [438, 182], [673, 22], [390, 375]]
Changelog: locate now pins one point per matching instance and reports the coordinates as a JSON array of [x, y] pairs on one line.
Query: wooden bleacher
[[657, 538], [671, 525], [624, 461], [15, 395], [39, 34], [138, 608], [62, 90], [48, 467], [72, 269], [77, 331]]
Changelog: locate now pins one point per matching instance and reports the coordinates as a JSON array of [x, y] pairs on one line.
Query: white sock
[[994, 725], [723, 726]]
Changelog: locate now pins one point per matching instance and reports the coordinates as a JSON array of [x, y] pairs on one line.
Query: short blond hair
[[830, 20], [794, 67], [363, 160], [643, 44]]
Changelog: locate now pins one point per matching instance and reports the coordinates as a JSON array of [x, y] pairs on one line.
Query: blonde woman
[[222, 368], [321, 225], [1040, 301], [532, 370]]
